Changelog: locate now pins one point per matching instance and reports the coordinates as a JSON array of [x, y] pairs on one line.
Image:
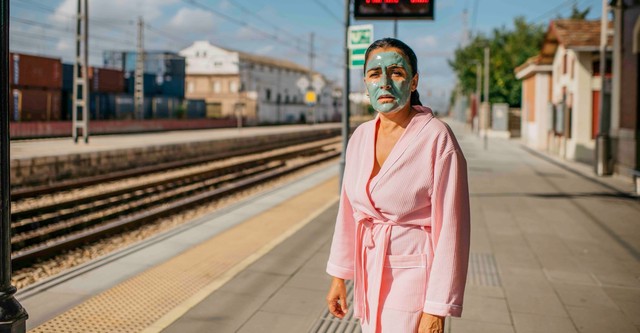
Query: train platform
[[65, 146], [554, 249], [47, 161]]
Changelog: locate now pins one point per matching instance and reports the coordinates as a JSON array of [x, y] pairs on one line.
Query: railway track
[[43, 231]]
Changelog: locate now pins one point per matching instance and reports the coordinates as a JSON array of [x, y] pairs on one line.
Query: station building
[[260, 89], [561, 90]]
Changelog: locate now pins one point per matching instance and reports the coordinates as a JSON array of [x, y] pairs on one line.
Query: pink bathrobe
[[403, 236]]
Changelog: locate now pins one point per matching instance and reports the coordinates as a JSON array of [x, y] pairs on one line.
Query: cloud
[[246, 33], [265, 49], [442, 4], [63, 45], [428, 41], [114, 10], [189, 20]]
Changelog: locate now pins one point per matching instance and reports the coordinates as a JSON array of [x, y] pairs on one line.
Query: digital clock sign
[[394, 9]]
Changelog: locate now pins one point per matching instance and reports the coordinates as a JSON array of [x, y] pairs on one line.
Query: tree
[[509, 49], [577, 14]]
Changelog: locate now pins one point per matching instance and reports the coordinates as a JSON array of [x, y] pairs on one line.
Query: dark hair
[[406, 50]]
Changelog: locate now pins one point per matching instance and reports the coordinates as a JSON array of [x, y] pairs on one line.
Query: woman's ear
[[414, 82]]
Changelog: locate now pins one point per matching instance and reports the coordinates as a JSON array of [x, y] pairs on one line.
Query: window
[[190, 87], [217, 87], [267, 95], [573, 65], [214, 110], [564, 63], [233, 86], [217, 64]]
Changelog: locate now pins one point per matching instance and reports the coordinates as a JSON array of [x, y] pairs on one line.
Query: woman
[[402, 231]]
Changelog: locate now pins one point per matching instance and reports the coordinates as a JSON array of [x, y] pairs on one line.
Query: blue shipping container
[[67, 77], [159, 63], [172, 86], [125, 109], [101, 106], [196, 108], [164, 107], [150, 83]]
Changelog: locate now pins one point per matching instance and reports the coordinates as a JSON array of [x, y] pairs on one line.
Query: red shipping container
[[106, 80], [35, 104], [35, 72]]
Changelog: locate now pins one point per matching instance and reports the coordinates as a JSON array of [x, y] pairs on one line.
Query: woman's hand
[[337, 298], [431, 324]]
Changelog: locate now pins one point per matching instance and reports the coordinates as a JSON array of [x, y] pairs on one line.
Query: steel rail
[[54, 247], [29, 192]]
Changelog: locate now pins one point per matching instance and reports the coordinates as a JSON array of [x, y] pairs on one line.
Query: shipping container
[[158, 63], [106, 80], [164, 107], [34, 72], [102, 106], [172, 86], [150, 83], [125, 109], [67, 77], [195, 108], [35, 104], [103, 80]]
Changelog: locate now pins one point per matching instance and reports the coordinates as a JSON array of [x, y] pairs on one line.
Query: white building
[[561, 90], [536, 123], [261, 89]]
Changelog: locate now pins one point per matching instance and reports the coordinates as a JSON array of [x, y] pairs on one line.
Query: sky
[[278, 29]]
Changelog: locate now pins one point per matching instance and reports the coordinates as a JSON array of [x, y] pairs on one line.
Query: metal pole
[[13, 316], [85, 74], [603, 151], [347, 87], [486, 104], [138, 90], [311, 55], [478, 94], [81, 74], [395, 28]]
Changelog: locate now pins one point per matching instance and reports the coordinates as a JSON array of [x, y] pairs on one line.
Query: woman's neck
[[392, 121]]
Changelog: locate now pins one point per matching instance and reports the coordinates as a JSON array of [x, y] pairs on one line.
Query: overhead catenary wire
[[95, 21], [326, 9], [258, 31], [67, 30], [264, 20], [295, 42]]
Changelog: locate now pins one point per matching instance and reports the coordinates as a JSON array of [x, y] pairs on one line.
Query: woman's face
[[389, 80]]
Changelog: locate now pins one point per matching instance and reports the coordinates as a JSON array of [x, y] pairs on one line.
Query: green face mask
[[388, 86]]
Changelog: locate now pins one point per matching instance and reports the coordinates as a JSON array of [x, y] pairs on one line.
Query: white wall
[[580, 146], [205, 58]]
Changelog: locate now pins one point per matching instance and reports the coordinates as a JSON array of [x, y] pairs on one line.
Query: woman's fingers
[[337, 298], [335, 309], [343, 304]]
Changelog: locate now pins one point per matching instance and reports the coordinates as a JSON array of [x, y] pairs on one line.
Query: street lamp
[[13, 316], [474, 118]]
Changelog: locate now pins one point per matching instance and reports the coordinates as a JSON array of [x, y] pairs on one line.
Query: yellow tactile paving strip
[[152, 300]]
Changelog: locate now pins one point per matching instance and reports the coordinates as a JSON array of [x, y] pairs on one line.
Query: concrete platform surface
[[165, 269], [554, 249]]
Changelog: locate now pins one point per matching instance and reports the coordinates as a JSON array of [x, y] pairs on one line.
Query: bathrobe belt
[[367, 308]]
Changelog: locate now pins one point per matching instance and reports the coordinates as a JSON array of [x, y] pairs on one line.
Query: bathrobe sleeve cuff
[[339, 271], [442, 310]]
